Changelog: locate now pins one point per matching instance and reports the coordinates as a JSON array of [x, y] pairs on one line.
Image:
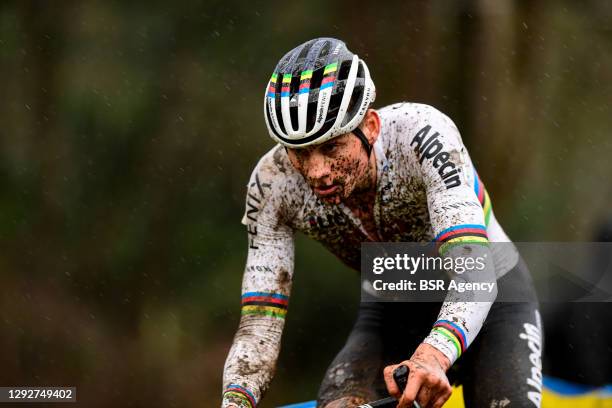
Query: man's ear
[[371, 125]]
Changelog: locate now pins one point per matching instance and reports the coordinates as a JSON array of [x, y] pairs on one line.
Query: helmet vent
[[279, 114], [317, 78], [343, 73], [293, 114], [323, 55]]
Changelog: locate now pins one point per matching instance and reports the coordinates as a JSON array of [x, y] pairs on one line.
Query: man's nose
[[317, 167]]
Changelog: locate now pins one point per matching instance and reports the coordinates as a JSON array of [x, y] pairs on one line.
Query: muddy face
[[333, 169], [341, 166]]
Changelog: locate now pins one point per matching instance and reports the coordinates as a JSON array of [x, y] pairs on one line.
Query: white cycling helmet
[[319, 90]]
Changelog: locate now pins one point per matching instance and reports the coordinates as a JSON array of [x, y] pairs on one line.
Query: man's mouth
[[324, 191]]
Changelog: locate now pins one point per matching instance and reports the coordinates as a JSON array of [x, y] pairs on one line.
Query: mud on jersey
[[427, 188]]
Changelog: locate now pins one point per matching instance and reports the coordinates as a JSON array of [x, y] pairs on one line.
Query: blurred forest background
[[129, 130]]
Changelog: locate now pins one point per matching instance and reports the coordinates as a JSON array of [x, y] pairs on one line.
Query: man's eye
[[301, 153], [329, 148]]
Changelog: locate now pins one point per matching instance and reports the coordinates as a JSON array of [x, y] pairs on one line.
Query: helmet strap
[[364, 140]]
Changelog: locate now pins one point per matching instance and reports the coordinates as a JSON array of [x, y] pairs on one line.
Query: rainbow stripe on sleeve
[[265, 304], [483, 197], [240, 392], [453, 332], [461, 234]]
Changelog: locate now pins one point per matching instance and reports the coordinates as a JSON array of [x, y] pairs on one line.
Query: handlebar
[[400, 375]]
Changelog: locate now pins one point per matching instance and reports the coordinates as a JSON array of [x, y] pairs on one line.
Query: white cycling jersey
[[427, 188]]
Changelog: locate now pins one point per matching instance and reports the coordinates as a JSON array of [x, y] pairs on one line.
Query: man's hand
[[427, 382]]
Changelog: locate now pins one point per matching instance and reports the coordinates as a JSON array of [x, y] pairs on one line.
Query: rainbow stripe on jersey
[[238, 391], [483, 197], [461, 234], [452, 332], [265, 304]]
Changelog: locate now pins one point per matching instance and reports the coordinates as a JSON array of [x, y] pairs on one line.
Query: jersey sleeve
[[266, 285], [459, 226]]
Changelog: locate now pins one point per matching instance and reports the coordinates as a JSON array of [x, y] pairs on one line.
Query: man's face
[[333, 169]]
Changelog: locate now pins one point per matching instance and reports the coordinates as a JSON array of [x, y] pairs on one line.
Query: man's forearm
[[463, 313], [251, 362]]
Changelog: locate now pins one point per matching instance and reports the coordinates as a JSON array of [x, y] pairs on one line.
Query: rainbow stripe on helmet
[[329, 75], [272, 85]]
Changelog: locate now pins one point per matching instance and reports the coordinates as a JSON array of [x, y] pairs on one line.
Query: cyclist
[[343, 173]]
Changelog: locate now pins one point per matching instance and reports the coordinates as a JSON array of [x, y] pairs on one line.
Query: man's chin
[[331, 199]]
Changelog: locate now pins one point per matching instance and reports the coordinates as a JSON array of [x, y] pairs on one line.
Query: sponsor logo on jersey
[[532, 335], [431, 149], [252, 211], [258, 268]]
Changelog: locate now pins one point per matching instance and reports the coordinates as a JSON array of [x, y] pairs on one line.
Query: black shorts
[[502, 365]]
